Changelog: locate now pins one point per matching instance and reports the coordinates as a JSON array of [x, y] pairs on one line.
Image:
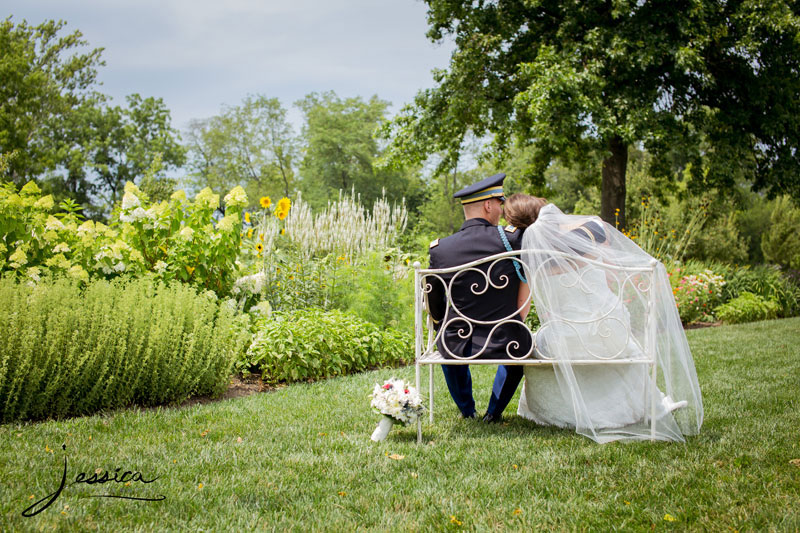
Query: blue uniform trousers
[[459, 383]]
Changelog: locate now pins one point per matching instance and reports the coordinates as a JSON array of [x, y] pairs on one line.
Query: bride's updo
[[522, 210]]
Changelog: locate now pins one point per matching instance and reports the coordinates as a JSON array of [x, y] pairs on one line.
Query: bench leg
[[419, 419], [430, 390], [653, 396]]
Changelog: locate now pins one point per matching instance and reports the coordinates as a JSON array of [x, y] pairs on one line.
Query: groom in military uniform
[[479, 237]]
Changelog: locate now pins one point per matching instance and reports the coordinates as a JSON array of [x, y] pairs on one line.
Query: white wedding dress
[[588, 313]]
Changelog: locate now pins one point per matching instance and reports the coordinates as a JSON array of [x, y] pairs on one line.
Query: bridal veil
[[600, 296]]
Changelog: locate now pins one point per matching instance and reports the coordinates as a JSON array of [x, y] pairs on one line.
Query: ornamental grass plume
[[345, 228]]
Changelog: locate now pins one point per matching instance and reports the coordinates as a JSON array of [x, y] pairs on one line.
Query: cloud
[[198, 55]]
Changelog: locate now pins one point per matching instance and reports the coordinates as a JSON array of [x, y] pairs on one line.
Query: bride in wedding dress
[[589, 312]]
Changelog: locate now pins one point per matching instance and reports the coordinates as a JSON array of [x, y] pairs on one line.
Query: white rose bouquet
[[398, 402]]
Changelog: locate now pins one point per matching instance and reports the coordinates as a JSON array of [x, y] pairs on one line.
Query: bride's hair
[[522, 210]]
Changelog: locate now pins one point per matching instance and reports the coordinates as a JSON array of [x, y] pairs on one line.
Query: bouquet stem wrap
[[382, 431]]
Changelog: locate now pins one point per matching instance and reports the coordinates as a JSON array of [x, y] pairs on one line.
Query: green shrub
[[747, 307], [382, 292], [781, 243], [312, 344], [71, 351], [720, 240], [766, 281]]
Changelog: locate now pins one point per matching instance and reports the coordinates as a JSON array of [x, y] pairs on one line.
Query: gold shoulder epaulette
[[511, 229], [434, 243]]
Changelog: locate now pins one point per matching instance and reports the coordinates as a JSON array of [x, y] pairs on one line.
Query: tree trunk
[[612, 195]]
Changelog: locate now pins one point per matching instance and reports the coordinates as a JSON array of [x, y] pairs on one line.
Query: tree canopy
[[44, 77], [251, 144], [707, 85], [56, 128], [341, 150]]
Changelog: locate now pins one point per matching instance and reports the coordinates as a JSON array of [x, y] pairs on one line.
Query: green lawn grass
[[300, 458]]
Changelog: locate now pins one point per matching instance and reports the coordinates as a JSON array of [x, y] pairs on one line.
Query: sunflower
[[247, 217], [265, 202], [259, 247], [284, 204], [250, 233], [281, 214]]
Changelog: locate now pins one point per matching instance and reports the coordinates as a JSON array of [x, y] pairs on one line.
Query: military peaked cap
[[491, 187]]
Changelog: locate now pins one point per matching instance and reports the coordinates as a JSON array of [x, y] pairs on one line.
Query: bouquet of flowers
[[398, 402]]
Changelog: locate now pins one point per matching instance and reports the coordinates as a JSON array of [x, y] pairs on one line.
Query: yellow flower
[[260, 247], [283, 231], [454, 520], [247, 217], [250, 233], [265, 202], [281, 214], [261, 236], [284, 204], [189, 269], [669, 518], [517, 511]]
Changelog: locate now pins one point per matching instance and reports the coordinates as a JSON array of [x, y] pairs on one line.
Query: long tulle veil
[[608, 313]]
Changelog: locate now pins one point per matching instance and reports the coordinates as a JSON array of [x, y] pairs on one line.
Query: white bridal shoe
[[670, 405]]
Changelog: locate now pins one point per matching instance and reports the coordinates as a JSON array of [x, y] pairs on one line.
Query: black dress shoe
[[492, 419]]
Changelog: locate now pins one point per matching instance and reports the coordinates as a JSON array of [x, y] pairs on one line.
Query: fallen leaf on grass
[[414, 475], [203, 434], [396, 457], [517, 512], [342, 493], [239, 439], [795, 462], [454, 520]]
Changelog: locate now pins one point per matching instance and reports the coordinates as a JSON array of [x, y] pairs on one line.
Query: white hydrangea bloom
[[18, 258], [226, 223], [160, 267], [253, 284], [45, 202], [53, 224], [130, 201], [236, 198], [61, 247], [207, 198], [119, 267], [86, 227], [187, 233], [34, 273]]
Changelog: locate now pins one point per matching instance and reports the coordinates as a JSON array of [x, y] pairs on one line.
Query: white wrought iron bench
[[629, 283]]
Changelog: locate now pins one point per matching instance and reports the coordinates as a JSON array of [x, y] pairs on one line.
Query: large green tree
[[44, 78], [341, 151], [121, 144], [252, 144], [708, 85], [57, 129]]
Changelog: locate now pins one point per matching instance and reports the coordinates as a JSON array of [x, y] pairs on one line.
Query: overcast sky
[[200, 54]]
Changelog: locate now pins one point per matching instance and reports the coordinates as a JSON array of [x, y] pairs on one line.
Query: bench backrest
[[600, 312]]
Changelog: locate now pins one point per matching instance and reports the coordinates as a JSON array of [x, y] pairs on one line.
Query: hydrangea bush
[[178, 239]]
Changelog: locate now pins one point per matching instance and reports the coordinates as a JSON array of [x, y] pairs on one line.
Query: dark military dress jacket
[[476, 239]]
